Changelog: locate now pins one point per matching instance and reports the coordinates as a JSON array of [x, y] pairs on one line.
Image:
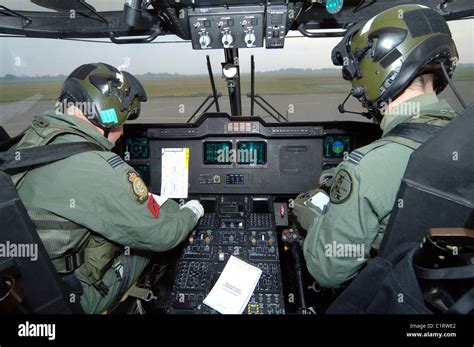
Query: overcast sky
[[32, 57]]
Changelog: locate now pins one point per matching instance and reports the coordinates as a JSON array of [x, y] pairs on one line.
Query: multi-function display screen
[[137, 148], [217, 152], [251, 152], [336, 145]]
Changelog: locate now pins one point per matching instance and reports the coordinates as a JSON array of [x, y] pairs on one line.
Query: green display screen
[[336, 145], [251, 152], [217, 153], [137, 147]]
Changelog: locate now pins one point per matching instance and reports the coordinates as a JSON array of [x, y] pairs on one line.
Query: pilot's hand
[[305, 211], [196, 207]]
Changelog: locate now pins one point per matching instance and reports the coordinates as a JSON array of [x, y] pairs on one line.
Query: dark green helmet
[[382, 56], [106, 96]]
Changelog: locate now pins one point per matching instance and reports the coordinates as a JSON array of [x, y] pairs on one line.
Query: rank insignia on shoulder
[[341, 188], [355, 157], [139, 189], [115, 161]]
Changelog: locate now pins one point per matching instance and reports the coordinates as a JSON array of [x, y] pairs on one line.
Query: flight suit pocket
[[98, 257]]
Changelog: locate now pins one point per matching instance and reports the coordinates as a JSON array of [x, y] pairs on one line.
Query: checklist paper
[[234, 287], [174, 172]]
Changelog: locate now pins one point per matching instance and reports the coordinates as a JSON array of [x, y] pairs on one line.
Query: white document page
[[174, 172], [234, 287]]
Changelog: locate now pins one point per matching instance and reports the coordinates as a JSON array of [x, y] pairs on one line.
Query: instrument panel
[[243, 171], [229, 228], [245, 155], [238, 26]]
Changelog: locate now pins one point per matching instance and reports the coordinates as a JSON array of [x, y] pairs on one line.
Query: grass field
[[266, 84]]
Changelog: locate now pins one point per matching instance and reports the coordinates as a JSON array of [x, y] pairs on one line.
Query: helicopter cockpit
[[239, 149]]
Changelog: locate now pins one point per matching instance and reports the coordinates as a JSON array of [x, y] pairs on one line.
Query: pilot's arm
[[339, 239], [124, 212]]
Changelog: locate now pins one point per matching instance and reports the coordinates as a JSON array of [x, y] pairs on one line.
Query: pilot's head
[[399, 49], [103, 95]]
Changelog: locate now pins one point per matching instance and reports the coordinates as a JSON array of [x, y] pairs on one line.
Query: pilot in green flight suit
[[92, 211], [395, 63]]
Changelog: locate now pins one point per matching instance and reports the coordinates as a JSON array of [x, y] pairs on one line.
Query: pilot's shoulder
[[106, 161], [377, 153]]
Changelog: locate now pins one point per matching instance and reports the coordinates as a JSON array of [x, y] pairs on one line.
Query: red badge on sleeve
[[153, 206]]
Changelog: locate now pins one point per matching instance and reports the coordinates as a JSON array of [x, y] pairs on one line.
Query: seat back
[[26, 259], [437, 189]]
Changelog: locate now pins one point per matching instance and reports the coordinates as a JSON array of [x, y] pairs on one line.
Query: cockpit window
[[298, 81]]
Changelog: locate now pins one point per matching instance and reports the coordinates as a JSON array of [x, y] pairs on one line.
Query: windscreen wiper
[[94, 11], [67, 5], [5, 9]]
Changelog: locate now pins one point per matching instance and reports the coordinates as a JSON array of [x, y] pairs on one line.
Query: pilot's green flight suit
[[91, 206], [362, 195]]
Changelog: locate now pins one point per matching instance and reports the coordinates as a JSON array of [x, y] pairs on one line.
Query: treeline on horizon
[[11, 77], [293, 71]]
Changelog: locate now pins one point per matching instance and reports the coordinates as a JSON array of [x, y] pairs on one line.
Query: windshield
[[299, 81]]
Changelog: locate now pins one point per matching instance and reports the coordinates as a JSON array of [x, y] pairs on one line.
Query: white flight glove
[[196, 207]]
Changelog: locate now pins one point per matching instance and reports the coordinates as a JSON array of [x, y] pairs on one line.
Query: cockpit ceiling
[[58, 5], [107, 18]]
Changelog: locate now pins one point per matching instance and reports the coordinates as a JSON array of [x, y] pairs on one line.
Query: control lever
[[295, 242], [291, 236]]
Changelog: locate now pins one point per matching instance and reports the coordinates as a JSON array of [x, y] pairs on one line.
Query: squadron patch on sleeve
[[139, 189], [341, 188]]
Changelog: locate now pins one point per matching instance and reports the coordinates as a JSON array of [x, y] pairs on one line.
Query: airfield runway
[[16, 116]]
